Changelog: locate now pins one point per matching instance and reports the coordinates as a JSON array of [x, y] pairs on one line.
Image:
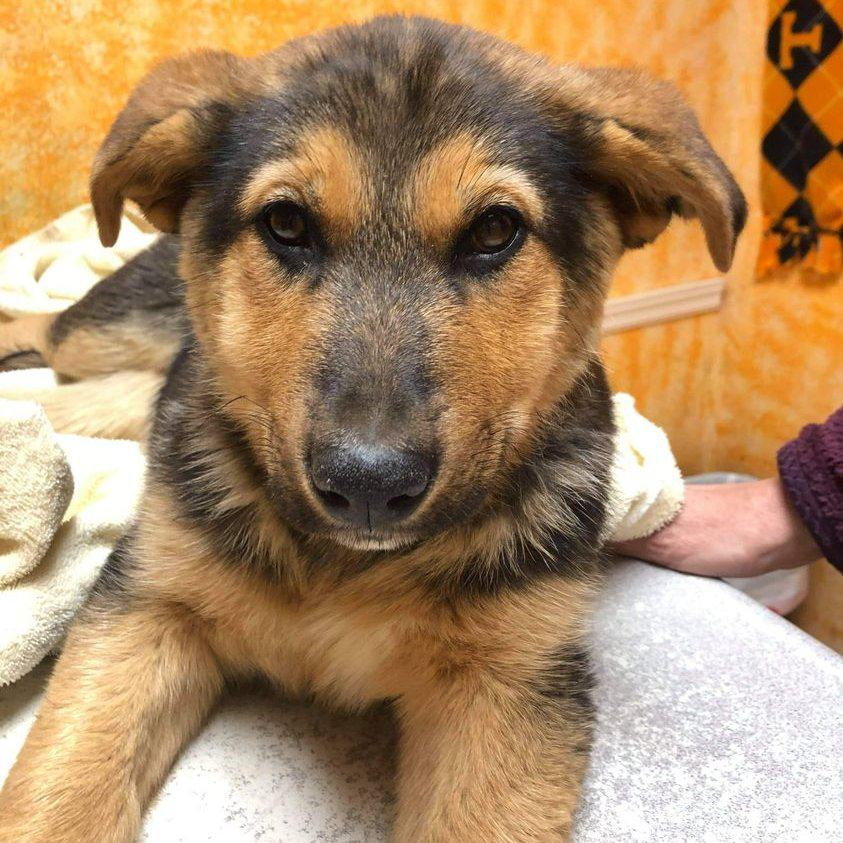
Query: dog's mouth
[[383, 542]]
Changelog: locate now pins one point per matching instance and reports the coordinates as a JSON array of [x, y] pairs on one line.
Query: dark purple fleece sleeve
[[811, 469]]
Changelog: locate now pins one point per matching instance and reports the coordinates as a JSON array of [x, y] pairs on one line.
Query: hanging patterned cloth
[[802, 161]]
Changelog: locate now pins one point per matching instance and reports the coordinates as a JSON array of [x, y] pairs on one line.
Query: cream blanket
[[65, 500]]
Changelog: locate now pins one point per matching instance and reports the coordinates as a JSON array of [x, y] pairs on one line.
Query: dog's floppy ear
[[162, 136], [653, 160]]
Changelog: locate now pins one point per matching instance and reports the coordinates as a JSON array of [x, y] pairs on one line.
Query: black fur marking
[[25, 359], [567, 683], [739, 207], [639, 132], [673, 205], [475, 580], [578, 438], [366, 390], [182, 455], [147, 288], [114, 584]]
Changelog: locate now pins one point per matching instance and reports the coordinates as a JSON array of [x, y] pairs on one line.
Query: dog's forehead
[[379, 123], [391, 81], [413, 125]]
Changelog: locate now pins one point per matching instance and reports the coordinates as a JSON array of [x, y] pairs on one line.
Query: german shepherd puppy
[[378, 466]]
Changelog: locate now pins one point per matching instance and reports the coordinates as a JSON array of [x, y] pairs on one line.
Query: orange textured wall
[[729, 387]]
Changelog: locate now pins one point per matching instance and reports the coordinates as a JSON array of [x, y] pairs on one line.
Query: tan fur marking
[[154, 146], [495, 355], [506, 355], [470, 711], [326, 174], [400, 636], [479, 763], [87, 352], [116, 406], [237, 316], [25, 334], [146, 676], [457, 180]]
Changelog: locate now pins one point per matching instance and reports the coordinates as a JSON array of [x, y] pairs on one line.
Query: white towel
[[32, 464], [47, 271], [54, 543], [647, 490], [76, 531]]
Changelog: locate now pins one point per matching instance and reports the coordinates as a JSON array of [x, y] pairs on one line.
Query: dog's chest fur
[[370, 636], [337, 645]]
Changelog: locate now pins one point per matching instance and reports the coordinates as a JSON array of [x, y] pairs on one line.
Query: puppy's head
[[396, 240]]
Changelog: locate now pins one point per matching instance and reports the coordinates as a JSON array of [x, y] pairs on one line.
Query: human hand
[[729, 530]]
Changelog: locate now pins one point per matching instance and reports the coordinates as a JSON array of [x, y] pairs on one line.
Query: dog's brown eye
[[287, 224], [493, 231]]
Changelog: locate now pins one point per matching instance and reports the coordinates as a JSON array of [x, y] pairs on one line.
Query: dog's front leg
[[130, 688], [486, 762]]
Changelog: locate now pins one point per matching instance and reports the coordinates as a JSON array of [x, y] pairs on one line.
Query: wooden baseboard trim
[[679, 301]]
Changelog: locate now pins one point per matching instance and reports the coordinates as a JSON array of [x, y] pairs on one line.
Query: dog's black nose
[[369, 486]]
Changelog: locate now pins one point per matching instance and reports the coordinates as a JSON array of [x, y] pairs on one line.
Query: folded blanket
[[33, 463], [75, 497], [47, 271], [65, 500]]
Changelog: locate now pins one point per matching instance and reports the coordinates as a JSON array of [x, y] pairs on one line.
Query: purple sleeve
[[811, 469]]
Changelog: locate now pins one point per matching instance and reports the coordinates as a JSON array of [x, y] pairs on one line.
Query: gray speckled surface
[[718, 722]]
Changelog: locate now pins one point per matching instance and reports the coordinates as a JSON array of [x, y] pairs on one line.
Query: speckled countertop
[[718, 722]]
